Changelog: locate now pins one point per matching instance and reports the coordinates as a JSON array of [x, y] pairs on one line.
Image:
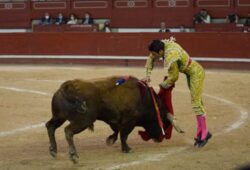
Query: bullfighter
[[176, 60]]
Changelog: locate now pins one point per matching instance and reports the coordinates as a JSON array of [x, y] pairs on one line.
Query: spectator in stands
[[246, 29], [60, 19], [46, 20], [163, 27], [202, 17], [182, 28], [232, 18], [247, 22], [87, 20], [72, 19], [106, 27], [95, 29]]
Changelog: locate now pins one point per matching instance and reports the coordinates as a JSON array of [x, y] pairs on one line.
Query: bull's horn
[[173, 122]]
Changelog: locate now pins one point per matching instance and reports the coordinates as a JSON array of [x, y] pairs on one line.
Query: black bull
[[122, 107]]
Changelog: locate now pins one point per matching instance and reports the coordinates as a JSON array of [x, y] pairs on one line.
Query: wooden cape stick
[[157, 111], [169, 116]]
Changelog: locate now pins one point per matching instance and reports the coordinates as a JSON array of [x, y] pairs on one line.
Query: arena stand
[[220, 48], [122, 13]]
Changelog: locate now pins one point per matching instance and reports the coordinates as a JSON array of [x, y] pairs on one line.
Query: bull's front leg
[[125, 131], [125, 147], [70, 130]]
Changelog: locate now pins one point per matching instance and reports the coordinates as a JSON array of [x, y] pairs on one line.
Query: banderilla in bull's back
[[121, 102]]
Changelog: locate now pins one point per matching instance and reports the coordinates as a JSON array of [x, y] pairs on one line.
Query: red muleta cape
[[166, 98]]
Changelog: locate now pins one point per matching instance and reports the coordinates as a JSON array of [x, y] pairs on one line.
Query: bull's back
[[122, 98], [101, 95]]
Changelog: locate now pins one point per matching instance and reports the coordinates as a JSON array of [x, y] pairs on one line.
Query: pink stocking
[[201, 128]]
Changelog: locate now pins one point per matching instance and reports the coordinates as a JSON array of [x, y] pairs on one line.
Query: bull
[[122, 107]]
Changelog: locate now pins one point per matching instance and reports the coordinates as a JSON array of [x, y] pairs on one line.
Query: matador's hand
[[164, 85], [146, 79]]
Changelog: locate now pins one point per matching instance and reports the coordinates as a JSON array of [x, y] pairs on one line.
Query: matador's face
[[157, 55]]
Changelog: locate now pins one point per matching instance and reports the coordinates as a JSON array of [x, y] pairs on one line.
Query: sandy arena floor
[[25, 96]]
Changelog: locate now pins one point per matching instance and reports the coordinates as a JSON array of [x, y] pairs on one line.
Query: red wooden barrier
[[174, 13], [98, 8], [234, 45], [222, 46], [219, 27], [38, 8], [66, 28]]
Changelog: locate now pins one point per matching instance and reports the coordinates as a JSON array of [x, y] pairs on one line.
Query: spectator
[[106, 27], [182, 28], [246, 29], [247, 22], [95, 29], [202, 17], [46, 20], [163, 27], [87, 20], [60, 19], [72, 19], [232, 18]]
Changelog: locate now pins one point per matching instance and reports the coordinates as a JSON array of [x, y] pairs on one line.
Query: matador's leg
[[195, 84]]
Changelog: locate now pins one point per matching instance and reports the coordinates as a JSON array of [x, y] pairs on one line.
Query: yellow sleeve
[[149, 65]]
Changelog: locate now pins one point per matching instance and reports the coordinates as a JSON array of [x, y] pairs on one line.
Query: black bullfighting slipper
[[197, 141], [202, 143]]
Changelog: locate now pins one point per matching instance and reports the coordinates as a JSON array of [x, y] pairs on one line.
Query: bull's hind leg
[[52, 125], [112, 138], [70, 131]]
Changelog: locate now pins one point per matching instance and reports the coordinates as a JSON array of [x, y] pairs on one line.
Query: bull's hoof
[[74, 158], [126, 150], [110, 140], [52, 152]]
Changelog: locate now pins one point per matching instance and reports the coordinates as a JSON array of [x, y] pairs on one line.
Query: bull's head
[[153, 130], [154, 106]]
